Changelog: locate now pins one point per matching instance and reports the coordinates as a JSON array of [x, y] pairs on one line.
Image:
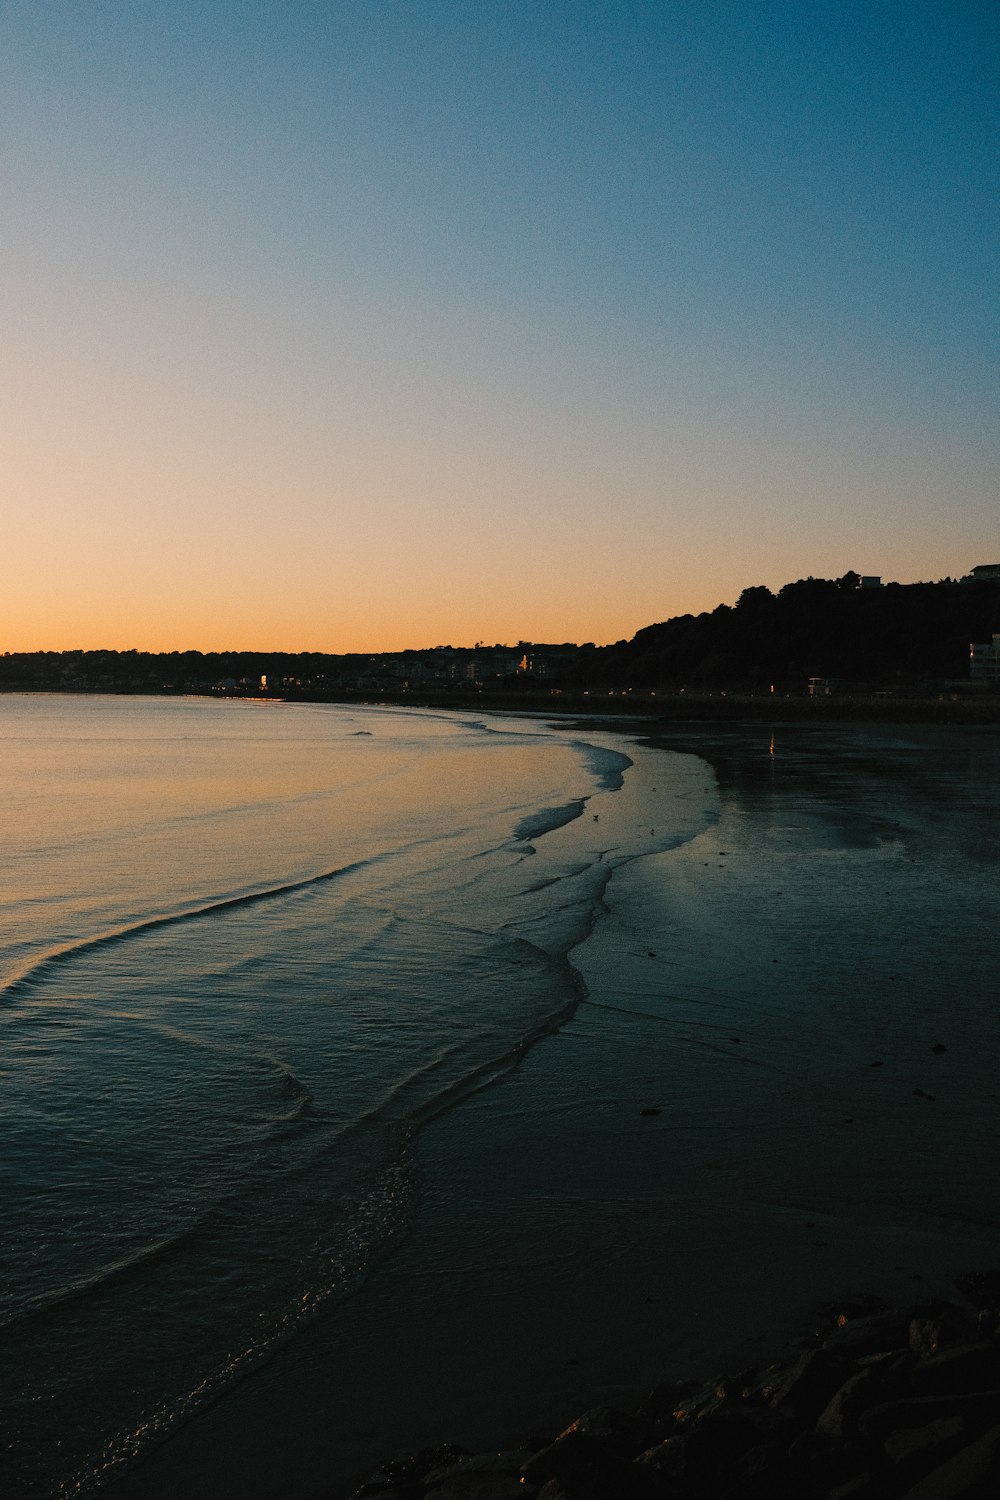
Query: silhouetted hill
[[897, 635]]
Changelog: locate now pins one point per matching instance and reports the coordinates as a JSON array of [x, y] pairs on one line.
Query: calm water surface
[[247, 950]]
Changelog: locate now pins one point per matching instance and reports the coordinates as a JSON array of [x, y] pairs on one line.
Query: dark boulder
[[971, 1474], [974, 1366], [586, 1467]]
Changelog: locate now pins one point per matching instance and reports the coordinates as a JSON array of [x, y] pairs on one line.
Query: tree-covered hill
[[897, 635]]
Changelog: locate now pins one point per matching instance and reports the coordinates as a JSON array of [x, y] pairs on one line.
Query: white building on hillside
[[984, 660]]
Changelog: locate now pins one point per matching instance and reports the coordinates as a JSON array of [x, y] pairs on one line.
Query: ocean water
[[374, 1078], [247, 951]]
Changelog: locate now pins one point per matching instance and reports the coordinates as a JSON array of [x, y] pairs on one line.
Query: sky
[[357, 325]]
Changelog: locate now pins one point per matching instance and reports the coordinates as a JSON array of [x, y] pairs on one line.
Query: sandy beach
[[778, 1089]]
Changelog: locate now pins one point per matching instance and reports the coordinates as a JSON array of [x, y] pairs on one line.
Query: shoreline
[[958, 706], [814, 1244], [877, 1402], [887, 709], [668, 1182]]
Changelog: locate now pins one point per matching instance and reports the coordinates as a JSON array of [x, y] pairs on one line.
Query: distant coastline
[[733, 707], [888, 707], [870, 649]]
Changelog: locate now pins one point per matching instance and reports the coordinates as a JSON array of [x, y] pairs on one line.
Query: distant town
[[850, 637]]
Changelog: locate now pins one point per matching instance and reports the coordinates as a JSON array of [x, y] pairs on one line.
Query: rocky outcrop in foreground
[[880, 1404]]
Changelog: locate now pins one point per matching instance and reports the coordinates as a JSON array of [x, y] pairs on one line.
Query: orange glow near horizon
[[301, 371], [462, 535]]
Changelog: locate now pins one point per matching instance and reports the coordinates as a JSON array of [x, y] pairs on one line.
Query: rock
[[841, 1415], [587, 1468], [904, 1445], [483, 1476], [943, 1326], [869, 1335], [866, 1305], [663, 1400], [481, 1486], [403, 1477], [972, 1472], [974, 1366], [806, 1386], [976, 1408], [626, 1433], [891, 1406], [819, 1464], [715, 1450], [384, 1489], [764, 1473], [666, 1458], [704, 1399], [864, 1486], [981, 1287], [503, 1461]]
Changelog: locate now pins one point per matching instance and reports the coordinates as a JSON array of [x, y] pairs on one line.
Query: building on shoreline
[[984, 660]]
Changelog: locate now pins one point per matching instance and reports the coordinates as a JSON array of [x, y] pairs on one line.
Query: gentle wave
[[438, 974], [378, 1219], [375, 1223], [55, 1303], [38, 967], [292, 1101], [482, 1075], [549, 880], [292, 1088]]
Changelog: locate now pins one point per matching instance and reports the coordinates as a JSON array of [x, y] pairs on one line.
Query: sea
[[374, 1076]]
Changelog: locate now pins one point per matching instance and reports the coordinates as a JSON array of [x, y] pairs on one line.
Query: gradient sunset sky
[[384, 323]]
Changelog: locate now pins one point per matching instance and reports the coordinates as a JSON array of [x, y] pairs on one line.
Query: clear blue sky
[[372, 324]]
